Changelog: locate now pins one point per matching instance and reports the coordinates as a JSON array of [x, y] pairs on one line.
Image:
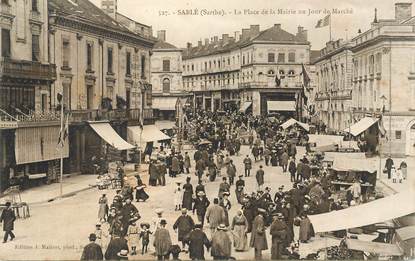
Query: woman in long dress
[[240, 228], [103, 208], [140, 194], [187, 195]]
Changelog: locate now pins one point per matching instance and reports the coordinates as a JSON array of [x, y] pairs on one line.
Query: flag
[[277, 81], [64, 132], [306, 78], [382, 130], [323, 22]]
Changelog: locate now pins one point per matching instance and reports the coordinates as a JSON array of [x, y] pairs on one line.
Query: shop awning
[[37, 144], [281, 106], [361, 126], [292, 122], [325, 140], [373, 212], [370, 165], [245, 106], [149, 133], [343, 156], [406, 233], [107, 133], [374, 247], [164, 103]]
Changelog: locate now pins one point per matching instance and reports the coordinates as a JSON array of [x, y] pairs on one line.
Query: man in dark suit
[[8, 217], [92, 251]]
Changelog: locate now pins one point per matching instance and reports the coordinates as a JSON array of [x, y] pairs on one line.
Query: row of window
[[217, 64], [367, 64], [35, 4], [66, 56], [6, 45]]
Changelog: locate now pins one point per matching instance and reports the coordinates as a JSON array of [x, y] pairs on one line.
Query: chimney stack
[[161, 35], [301, 33], [245, 34], [189, 45], [254, 29], [206, 41], [225, 38], [403, 11], [199, 43], [237, 36], [278, 26], [215, 39]]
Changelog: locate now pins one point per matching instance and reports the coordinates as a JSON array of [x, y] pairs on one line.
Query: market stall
[[375, 248]]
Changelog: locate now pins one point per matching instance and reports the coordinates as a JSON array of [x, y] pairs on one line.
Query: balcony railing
[[271, 84], [27, 70], [148, 114], [99, 115]]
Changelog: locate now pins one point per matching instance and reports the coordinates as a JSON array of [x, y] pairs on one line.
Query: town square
[[291, 138]]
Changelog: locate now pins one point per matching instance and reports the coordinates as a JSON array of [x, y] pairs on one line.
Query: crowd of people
[[217, 140]]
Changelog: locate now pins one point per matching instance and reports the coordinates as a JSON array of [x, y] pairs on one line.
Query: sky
[[180, 29]]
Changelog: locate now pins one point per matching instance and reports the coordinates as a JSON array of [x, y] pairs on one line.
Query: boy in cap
[[145, 237]]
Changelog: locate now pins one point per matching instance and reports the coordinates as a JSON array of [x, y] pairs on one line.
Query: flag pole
[[61, 159], [330, 26]]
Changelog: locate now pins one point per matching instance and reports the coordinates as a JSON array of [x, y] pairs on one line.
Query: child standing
[[145, 237], [178, 197], [133, 238]]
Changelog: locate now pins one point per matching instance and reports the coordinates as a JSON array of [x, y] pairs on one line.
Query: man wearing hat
[[8, 217], [239, 190], [215, 215], [260, 177], [223, 187], [258, 237], [279, 195], [248, 166], [197, 241], [157, 220], [123, 255], [292, 168], [129, 213], [278, 231], [92, 251], [162, 241], [221, 244], [184, 224], [201, 203]]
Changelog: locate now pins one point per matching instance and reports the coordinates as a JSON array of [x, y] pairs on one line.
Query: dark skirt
[[187, 200], [141, 194]]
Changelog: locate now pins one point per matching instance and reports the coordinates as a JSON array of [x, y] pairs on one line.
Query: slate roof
[[273, 34], [164, 45], [86, 11]]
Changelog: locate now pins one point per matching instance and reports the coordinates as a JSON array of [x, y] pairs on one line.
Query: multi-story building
[[166, 78], [384, 77], [28, 128], [333, 98], [242, 71], [103, 72]]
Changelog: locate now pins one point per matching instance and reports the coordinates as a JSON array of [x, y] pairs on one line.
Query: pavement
[[59, 229]]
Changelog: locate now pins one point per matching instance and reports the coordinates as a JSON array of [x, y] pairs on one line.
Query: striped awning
[[107, 133], [281, 106]]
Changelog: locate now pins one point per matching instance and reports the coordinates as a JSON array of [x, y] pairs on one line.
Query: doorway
[[410, 140]]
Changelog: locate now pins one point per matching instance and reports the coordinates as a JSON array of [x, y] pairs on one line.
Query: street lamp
[[383, 98]]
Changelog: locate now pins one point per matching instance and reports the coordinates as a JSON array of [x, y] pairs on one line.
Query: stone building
[[28, 128], [241, 71], [333, 97], [384, 76], [166, 78], [103, 71]]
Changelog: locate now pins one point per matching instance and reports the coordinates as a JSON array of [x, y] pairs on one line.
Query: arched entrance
[[410, 138]]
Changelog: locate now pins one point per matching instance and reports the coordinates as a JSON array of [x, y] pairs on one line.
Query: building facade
[[241, 72], [166, 78], [28, 128], [333, 99], [103, 72]]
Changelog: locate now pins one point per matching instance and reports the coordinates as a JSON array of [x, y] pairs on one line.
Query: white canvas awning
[[374, 247], [361, 126], [292, 122], [406, 233], [325, 140], [245, 106], [343, 156], [370, 165], [281, 106], [164, 103], [373, 212], [107, 133], [149, 133]]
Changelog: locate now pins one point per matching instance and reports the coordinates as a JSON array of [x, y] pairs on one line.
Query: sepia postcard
[[207, 130]]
